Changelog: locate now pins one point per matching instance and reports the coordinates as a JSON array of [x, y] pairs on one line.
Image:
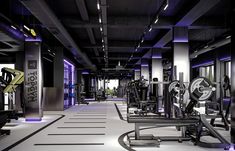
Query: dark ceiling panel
[[63, 7], [206, 34], [133, 7], [124, 34]]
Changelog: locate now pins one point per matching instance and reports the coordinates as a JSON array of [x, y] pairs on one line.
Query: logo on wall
[[32, 81]]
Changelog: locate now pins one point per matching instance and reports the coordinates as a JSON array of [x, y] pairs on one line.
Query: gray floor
[[93, 127]]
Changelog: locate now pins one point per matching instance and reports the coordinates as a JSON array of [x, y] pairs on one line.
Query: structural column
[[145, 69], [157, 69], [233, 78], [136, 74], [79, 83], [58, 68], [217, 76], [33, 81], [181, 60]]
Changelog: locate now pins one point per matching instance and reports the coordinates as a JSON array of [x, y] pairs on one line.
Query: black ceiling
[[126, 22]]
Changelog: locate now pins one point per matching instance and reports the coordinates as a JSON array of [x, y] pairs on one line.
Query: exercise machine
[[9, 81], [189, 120]]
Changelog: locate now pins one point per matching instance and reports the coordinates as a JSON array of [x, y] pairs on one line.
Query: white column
[[157, 70]]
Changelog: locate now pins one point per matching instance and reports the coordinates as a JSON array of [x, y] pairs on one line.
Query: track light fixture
[[156, 20], [98, 5], [13, 27], [167, 3]]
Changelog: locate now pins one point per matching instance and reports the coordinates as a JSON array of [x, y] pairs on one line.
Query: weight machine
[[9, 81], [193, 125]]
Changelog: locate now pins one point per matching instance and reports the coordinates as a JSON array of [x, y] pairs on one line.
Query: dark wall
[[47, 68]]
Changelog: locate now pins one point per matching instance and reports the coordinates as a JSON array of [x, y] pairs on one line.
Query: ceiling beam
[[139, 22], [117, 58], [41, 10], [194, 14], [85, 17]]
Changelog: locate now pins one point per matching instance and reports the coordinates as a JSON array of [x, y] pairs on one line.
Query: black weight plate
[[196, 94]]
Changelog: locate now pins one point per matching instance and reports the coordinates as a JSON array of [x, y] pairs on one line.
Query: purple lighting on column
[[33, 39], [85, 72], [203, 64], [144, 65], [180, 40], [157, 57], [33, 119], [228, 58]]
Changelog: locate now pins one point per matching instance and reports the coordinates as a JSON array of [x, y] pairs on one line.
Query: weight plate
[[174, 89], [201, 89]]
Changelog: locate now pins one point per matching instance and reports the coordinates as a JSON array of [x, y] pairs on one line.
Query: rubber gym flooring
[[93, 127]]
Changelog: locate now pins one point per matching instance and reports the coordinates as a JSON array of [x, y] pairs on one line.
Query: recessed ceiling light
[[206, 46], [98, 6], [166, 7], [156, 20], [26, 27], [13, 27]]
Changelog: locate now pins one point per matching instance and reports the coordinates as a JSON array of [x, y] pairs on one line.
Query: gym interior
[[102, 75]]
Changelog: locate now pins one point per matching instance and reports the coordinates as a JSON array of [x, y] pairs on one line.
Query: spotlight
[[156, 20], [98, 5], [26, 27], [206, 46], [150, 28], [13, 27], [142, 40], [26, 35], [101, 29], [228, 37], [99, 20], [166, 5], [136, 50]]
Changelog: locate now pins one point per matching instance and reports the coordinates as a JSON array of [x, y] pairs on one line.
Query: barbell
[[200, 89]]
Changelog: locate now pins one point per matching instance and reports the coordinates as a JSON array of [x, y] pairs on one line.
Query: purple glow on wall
[[203, 64], [136, 70]]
